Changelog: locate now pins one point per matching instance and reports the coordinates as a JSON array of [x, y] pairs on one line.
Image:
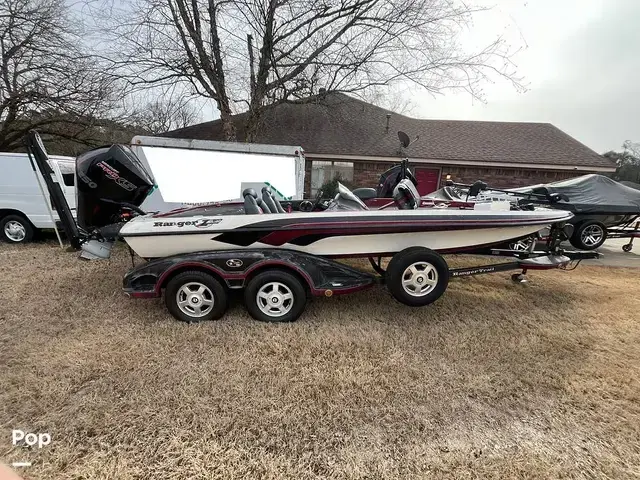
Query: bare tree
[[300, 46], [47, 81], [172, 47], [395, 100], [164, 114], [633, 148]]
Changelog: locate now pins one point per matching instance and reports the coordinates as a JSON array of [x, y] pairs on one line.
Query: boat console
[[346, 200], [406, 196]]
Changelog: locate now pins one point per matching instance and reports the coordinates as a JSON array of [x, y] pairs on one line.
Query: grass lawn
[[496, 379]]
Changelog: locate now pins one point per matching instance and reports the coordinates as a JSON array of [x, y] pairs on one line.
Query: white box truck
[[23, 209]]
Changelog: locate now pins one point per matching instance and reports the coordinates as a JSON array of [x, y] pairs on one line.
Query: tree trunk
[[228, 127], [253, 120], [259, 90]]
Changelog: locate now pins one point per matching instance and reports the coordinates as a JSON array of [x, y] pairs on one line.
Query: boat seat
[[271, 201], [364, 193], [252, 204], [406, 196]]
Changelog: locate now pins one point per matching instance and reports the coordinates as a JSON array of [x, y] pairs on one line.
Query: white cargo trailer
[[191, 172]]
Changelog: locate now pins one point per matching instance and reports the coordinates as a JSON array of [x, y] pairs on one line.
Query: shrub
[[330, 187]]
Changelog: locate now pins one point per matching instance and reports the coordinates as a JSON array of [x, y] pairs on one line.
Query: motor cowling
[[108, 179]]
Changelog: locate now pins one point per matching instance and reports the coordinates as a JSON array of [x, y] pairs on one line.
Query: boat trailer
[[625, 231], [523, 261], [539, 261]]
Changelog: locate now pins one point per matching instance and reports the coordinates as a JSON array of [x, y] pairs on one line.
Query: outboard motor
[[109, 179], [110, 182]]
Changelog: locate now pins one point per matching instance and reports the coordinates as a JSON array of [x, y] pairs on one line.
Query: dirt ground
[[495, 379]]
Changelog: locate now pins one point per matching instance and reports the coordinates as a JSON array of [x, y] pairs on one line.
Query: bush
[[330, 187]]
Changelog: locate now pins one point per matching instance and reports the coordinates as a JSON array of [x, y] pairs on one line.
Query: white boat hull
[[336, 234], [354, 245]]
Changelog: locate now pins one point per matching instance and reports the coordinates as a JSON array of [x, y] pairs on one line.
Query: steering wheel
[[309, 206], [317, 200]]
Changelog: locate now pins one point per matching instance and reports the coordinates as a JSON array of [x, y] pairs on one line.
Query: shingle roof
[[341, 125]]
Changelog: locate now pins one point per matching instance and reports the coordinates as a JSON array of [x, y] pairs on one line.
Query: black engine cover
[[107, 178]]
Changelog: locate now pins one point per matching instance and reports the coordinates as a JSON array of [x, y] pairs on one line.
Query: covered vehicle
[[591, 194], [601, 206], [633, 185], [598, 203]]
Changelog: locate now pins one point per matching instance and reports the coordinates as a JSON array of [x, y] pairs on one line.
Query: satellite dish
[[404, 139]]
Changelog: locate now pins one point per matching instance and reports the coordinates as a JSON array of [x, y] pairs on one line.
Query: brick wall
[[505, 177], [366, 174]]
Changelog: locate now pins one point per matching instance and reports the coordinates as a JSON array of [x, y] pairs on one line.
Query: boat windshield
[[346, 200]]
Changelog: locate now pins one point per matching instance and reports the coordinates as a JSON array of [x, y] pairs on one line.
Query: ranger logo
[[234, 263], [201, 223]]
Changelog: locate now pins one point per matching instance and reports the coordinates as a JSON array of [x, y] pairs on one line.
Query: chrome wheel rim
[[275, 299], [419, 279], [592, 235], [15, 231], [195, 299]]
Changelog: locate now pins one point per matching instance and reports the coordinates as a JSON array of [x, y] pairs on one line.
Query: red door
[[428, 179]]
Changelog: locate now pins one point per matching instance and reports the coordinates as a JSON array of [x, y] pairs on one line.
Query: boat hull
[[343, 246], [339, 234]]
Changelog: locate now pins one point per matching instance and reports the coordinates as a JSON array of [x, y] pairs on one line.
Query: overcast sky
[[580, 60]]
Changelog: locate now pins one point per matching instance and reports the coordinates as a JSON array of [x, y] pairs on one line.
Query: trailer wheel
[[417, 276], [16, 229], [589, 235], [275, 296], [627, 247], [194, 296]]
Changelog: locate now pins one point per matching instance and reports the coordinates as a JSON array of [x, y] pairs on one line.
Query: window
[[67, 169], [323, 171], [68, 179]]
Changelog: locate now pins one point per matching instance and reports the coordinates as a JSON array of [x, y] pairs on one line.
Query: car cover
[[593, 193], [634, 185]]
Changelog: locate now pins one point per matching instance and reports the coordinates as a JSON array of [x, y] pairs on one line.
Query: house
[[359, 140]]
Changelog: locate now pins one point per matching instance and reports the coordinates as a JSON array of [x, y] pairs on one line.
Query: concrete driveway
[[613, 256]]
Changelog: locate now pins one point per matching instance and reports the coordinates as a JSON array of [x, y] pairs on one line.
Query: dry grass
[[494, 380]]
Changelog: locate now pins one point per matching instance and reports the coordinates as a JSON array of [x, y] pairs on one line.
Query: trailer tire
[[275, 296], [417, 276], [194, 296], [16, 229], [589, 235]]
